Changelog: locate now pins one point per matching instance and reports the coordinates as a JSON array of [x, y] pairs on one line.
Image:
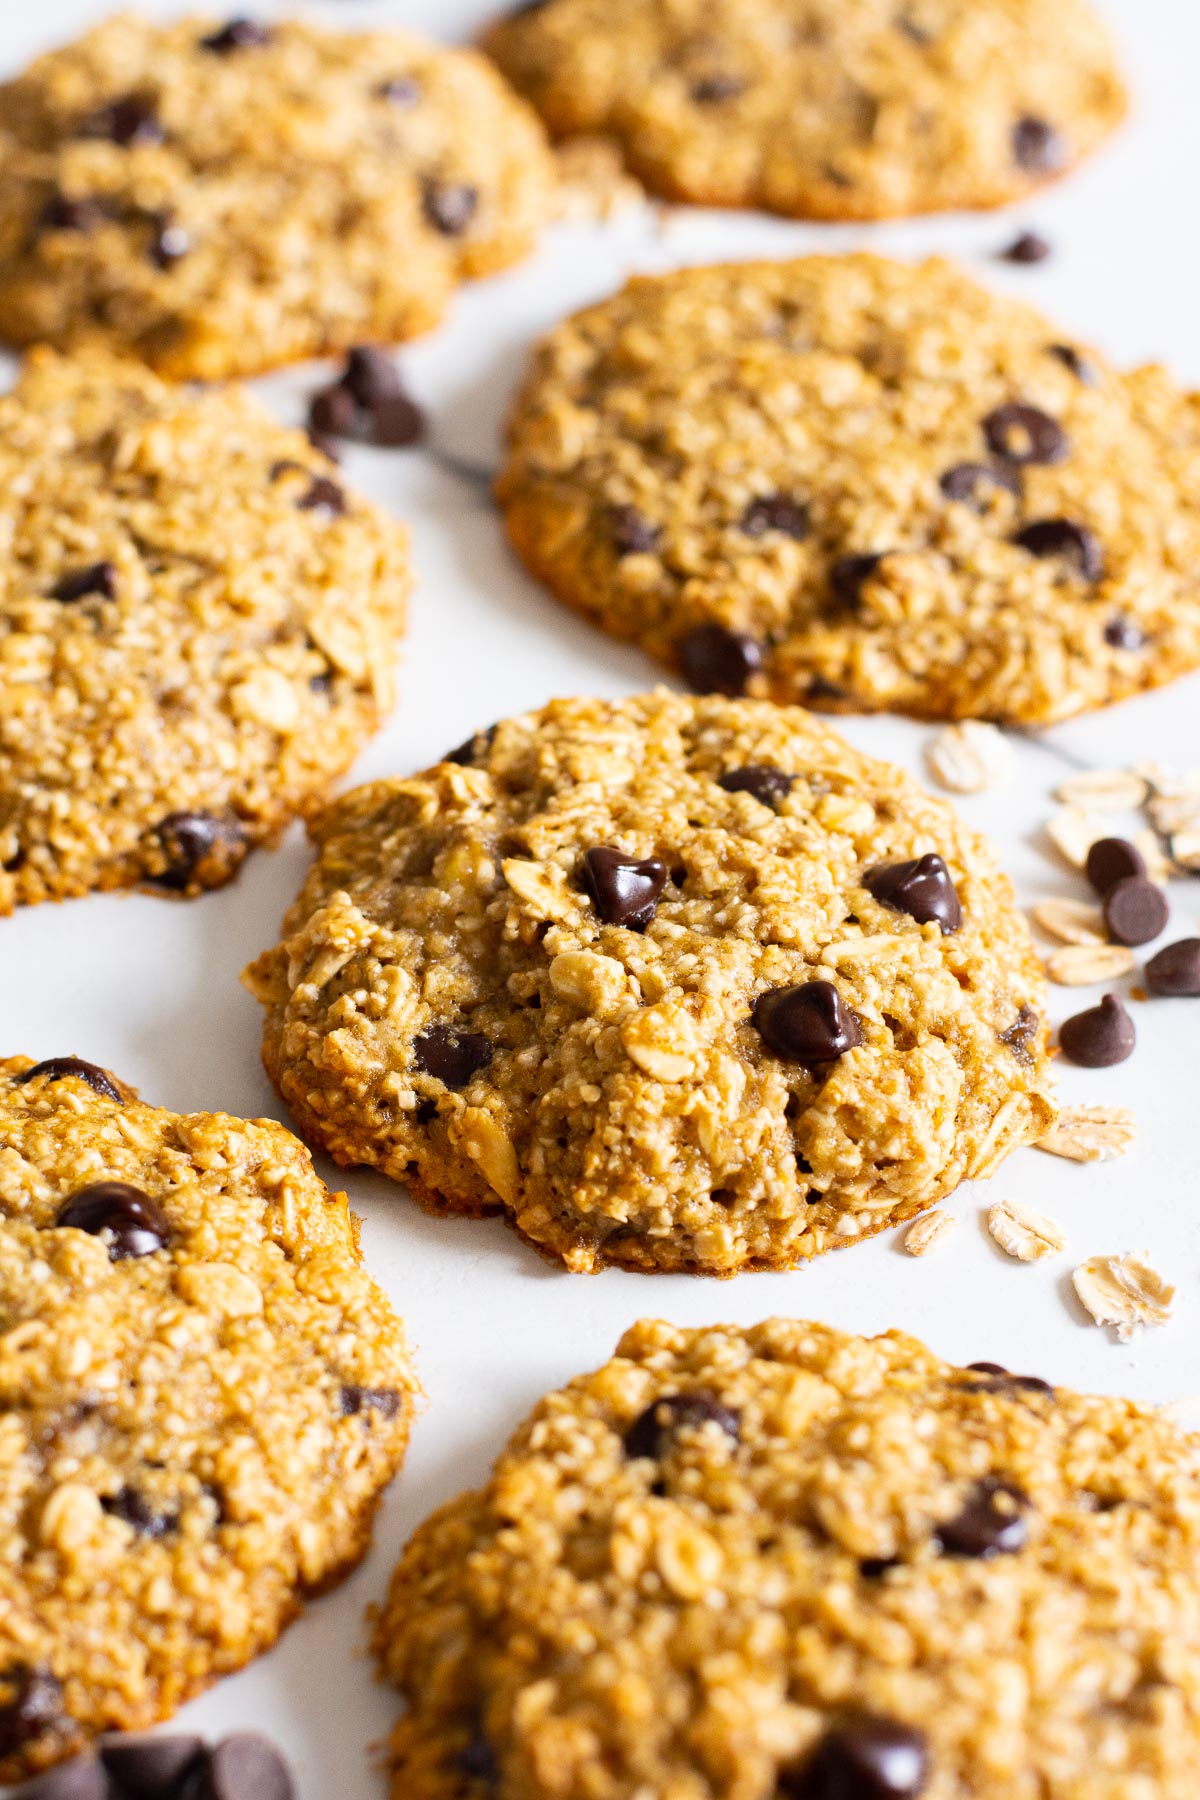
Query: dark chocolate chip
[[400, 90], [326, 445], [61, 213], [449, 206], [999, 1378], [1079, 366], [1027, 248], [1024, 434], [58, 1068], [624, 890], [332, 412], [630, 532], [395, 423], [1135, 911], [169, 242], [924, 889], [148, 1767], [763, 780], [135, 1223], [715, 660], [776, 512], [31, 1705], [1076, 544], [1113, 859], [654, 1430], [82, 1778], [991, 1523], [98, 578], [243, 1766], [970, 482], [477, 1759], [370, 375], [239, 34], [1175, 971], [711, 90], [133, 119], [988, 1368], [451, 1056], [1099, 1037], [473, 748], [865, 1757], [135, 1510], [201, 850], [849, 574], [1122, 634], [1038, 147], [809, 1024], [356, 1400], [324, 496], [874, 1568]]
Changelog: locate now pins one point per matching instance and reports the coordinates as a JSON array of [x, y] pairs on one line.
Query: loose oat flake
[[968, 757], [928, 1231], [1123, 1291], [1084, 965], [1024, 1233], [1070, 921], [1090, 1134], [1073, 831], [1108, 790]]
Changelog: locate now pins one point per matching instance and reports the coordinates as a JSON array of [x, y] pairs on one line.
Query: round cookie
[[219, 200], [197, 631], [829, 109], [676, 984], [203, 1396], [863, 485], [790, 1564]]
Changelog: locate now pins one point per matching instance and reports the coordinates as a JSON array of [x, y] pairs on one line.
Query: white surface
[[150, 988]]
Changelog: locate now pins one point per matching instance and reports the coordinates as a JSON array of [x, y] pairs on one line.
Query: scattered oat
[[1073, 831], [1185, 849], [928, 1230], [1125, 1291], [1107, 790], [1175, 813], [1024, 1233], [968, 757], [1084, 965], [1159, 866], [1090, 1134], [1070, 921], [593, 183]]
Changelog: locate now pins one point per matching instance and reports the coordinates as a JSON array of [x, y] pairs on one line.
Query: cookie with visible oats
[[863, 485], [674, 984], [198, 627], [830, 109], [221, 199], [791, 1564], [203, 1396]]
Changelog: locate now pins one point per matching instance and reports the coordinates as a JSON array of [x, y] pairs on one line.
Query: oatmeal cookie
[[676, 984], [219, 200], [203, 1395], [198, 626], [829, 109], [862, 485], [785, 1563]]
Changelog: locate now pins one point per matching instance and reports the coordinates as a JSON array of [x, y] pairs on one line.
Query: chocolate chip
[[1000, 1378], [1079, 366], [326, 445], [1063, 537], [396, 423], [332, 412], [449, 206], [1099, 1037], [477, 1759], [1122, 634], [82, 1778], [1175, 971], [135, 1223], [1135, 911], [924, 889], [776, 512], [849, 574], [865, 1757], [451, 1056], [623, 889], [400, 90], [991, 1523], [243, 1766], [473, 749], [1024, 434], [169, 242], [630, 532], [1113, 859], [98, 578], [1027, 248], [324, 496], [711, 90], [201, 851], [58, 1068], [654, 1430], [715, 660], [135, 1510], [357, 1400], [988, 1368], [763, 780], [63, 214], [148, 1767], [239, 34], [809, 1024], [370, 375], [31, 1706], [970, 482], [133, 119], [1038, 147]]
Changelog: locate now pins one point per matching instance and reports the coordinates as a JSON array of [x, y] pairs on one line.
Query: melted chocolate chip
[[135, 1224], [135, 1510], [324, 496], [243, 1766], [98, 578], [865, 1757], [449, 206], [1122, 634], [477, 1759], [1113, 859], [763, 780], [849, 574], [147, 1766], [451, 1056], [30, 1707], [776, 512], [1079, 366], [473, 749], [623, 889], [332, 412], [133, 119], [924, 889], [630, 532], [239, 34], [711, 90], [715, 660], [357, 1400], [653, 1431], [808, 1024], [970, 482], [1100, 1037], [61, 213], [1075, 544], [1175, 971], [201, 851], [999, 1378], [991, 1523], [1038, 147], [400, 90], [1027, 248], [1135, 911], [1024, 434], [58, 1068]]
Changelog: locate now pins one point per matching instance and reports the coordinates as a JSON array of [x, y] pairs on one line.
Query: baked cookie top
[[864, 484], [832, 109], [677, 984], [790, 1564], [222, 199], [202, 1391], [198, 626]]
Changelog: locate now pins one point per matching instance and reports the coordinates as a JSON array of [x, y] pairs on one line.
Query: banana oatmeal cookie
[[788, 1564], [219, 199], [198, 627], [830, 109], [676, 984], [202, 1396]]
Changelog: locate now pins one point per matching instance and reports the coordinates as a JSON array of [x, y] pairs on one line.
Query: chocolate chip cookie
[[862, 485], [675, 984], [790, 1564], [222, 199], [203, 1395], [831, 109], [197, 631]]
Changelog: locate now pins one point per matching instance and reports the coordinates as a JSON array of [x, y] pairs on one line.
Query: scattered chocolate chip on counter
[[1101, 1036]]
